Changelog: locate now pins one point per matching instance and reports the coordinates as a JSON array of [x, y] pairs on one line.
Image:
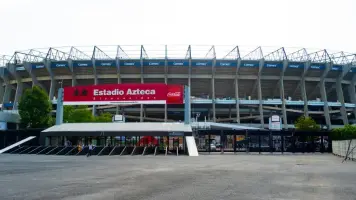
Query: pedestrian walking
[[90, 149]]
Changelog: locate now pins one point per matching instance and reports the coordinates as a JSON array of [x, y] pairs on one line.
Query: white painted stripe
[[192, 146], [16, 144]]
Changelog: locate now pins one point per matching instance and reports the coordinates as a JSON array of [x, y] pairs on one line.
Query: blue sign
[[130, 63], [8, 105], [20, 68], [296, 65], [178, 63], [336, 68], [226, 63], [61, 64], [83, 63], [250, 63], [105, 63], [273, 65], [37, 65], [202, 63], [353, 70], [317, 66], [154, 63], [176, 134]]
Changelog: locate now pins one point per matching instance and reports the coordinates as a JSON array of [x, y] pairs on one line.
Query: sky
[[314, 24]]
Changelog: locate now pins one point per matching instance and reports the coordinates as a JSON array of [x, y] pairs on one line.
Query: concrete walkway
[[164, 178]]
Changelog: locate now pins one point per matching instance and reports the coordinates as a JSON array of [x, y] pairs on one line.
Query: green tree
[[104, 117], [306, 124], [35, 108], [78, 114]]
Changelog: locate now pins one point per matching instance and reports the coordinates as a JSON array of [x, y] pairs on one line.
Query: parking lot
[[170, 177]]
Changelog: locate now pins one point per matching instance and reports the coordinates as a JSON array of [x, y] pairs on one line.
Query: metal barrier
[[52, 150], [155, 153], [25, 150], [123, 151], [70, 151], [144, 150], [112, 150], [43, 150], [133, 151], [34, 149]]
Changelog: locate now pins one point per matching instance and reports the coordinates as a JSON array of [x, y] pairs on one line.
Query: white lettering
[[140, 92], [224, 64], [82, 64], [201, 64], [173, 94], [271, 65], [153, 63], [118, 92], [39, 66], [129, 64], [314, 67], [249, 65], [294, 66], [60, 65], [105, 64], [177, 63]]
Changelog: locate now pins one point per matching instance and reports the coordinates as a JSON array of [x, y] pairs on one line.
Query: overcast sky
[[316, 24]]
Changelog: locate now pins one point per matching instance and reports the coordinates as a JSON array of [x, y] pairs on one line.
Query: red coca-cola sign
[[175, 94], [155, 93]]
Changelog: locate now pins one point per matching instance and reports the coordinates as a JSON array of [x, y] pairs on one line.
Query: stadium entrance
[[117, 138], [122, 138]]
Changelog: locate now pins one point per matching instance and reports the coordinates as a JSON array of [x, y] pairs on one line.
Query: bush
[[348, 132]]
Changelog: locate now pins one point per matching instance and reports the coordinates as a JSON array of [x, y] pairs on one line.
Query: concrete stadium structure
[[229, 84]]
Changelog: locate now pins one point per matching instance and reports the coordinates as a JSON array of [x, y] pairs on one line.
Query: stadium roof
[[120, 127], [228, 52]]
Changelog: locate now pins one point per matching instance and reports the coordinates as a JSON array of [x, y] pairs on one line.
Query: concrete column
[[284, 112], [118, 80], [19, 90], [260, 107], [340, 97], [95, 83], [186, 105], [325, 100], [52, 88], [352, 94], [166, 82], [237, 90], [188, 91], [213, 90], [237, 100], [59, 111], [2, 91], [142, 81], [7, 93], [304, 97]]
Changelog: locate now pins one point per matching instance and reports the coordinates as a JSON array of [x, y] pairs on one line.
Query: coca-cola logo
[[173, 94]]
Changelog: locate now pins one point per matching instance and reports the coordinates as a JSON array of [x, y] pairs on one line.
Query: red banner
[[155, 93]]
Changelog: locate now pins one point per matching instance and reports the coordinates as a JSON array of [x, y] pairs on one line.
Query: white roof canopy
[[120, 127]]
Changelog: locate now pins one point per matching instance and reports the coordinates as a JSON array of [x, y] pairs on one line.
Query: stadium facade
[[239, 86]]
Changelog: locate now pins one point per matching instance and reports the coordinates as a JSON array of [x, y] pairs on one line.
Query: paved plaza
[[206, 177]]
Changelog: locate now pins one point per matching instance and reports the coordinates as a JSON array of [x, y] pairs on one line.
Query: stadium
[[229, 84]]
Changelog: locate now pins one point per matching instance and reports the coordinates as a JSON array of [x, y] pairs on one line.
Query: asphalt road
[[206, 177]]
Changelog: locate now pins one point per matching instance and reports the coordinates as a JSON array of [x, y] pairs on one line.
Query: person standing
[[90, 148]]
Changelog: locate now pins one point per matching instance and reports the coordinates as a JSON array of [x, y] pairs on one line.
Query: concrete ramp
[[16, 144], [192, 146]]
